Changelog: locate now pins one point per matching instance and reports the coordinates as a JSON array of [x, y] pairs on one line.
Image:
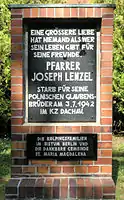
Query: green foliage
[[4, 64], [118, 52], [118, 74], [5, 158], [118, 165], [5, 165]]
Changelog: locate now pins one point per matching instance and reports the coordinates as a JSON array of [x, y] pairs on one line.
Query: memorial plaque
[[61, 74], [62, 147]]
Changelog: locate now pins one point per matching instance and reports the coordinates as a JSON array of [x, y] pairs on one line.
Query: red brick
[[89, 188], [67, 129], [87, 162], [17, 89], [17, 97], [17, 105], [43, 129], [106, 129], [93, 169], [89, 12], [68, 169], [106, 137], [81, 188], [105, 145], [107, 97], [16, 48], [108, 16], [55, 169], [16, 80], [48, 186], [17, 121], [16, 63], [108, 189], [106, 153], [42, 12], [106, 105], [87, 129], [96, 129], [66, 12], [81, 12], [17, 113], [106, 72], [80, 169], [105, 64], [50, 12], [16, 170], [107, 56], [42, 170], [20, 129], [107, 11], [16, 11], [28, 170], [105, 80], [27, 12], [16, 39], [72, 188], [106, 39], [17, 137], [97, 189], [103, 161], [99, 137], [106, 121], [16, 16], [59, 12], [68, 162], [16, 22], [43, 162], [34, 12], [107, 22], [98, 153], [106, 88], [16, 30], [98, 12], [106, 30], [64, 188], [106, 113], [107, 182], [106, 169], [74, 12], [16, 56], [106, 47], [17, 153], [18, 145], [48, 181]]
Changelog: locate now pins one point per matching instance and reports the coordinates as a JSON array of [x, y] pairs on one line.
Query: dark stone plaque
[[61, 73], [62, 146]]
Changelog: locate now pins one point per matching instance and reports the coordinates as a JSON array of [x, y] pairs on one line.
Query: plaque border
[[64, 158], [52, 123]]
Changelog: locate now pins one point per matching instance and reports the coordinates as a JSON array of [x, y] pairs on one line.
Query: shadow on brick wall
[[115, 169]]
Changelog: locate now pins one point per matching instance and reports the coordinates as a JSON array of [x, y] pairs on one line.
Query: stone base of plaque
[[38, 188]]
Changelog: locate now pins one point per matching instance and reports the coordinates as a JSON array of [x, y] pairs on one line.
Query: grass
[[5, 165], [118, 165]]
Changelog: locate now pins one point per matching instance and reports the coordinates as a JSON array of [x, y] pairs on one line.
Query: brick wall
[[62, 179], [103, 166]]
